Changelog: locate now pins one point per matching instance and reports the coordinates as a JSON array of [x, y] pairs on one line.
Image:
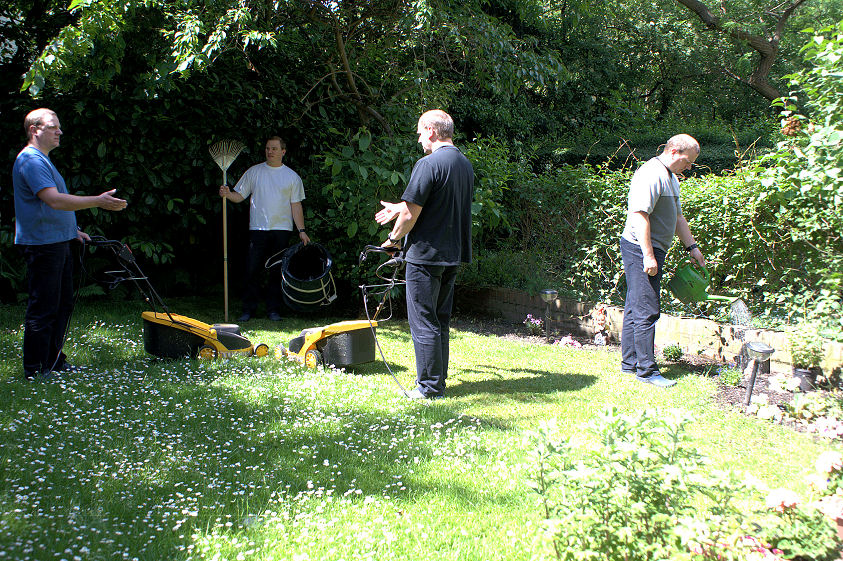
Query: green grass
[[137, 458]]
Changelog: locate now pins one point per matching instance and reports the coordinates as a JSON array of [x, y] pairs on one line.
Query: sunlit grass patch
[[140, 458]]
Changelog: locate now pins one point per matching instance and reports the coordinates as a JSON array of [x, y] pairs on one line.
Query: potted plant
[[806, 352]]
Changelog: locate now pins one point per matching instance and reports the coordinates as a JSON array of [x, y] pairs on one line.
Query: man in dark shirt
[[435, 216]]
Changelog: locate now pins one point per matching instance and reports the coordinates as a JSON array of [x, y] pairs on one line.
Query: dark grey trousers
[[640, 312], [430, 299]]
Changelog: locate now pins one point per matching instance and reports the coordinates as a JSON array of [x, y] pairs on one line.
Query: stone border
[[708, 338]]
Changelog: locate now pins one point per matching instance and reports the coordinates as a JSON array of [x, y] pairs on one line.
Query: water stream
[[739, 313]]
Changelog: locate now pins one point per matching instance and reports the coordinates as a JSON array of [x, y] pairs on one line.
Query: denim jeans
[[49, 270], [640, 312], [430, 299], [263, 244]]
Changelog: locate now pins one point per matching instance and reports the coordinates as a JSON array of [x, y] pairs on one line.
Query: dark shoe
[[274, 316], [245, 317], [41, 377], [416, 393], [657, 380]]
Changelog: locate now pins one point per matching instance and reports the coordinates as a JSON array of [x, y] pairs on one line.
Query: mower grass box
[[341, 344], [168, 335]]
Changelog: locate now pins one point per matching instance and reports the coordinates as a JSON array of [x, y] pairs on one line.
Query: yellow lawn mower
[[169, 335], [349, 343]]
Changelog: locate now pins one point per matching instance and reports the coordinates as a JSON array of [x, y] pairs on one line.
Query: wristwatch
[[691, 247], [301, 230], [389, 237]]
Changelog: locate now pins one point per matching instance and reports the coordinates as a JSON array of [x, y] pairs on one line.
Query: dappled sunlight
[[137, 457]]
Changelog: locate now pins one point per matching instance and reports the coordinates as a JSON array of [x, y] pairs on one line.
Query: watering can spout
[[722, 298]]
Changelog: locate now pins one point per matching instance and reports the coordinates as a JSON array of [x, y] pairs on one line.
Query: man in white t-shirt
[[275, 210]]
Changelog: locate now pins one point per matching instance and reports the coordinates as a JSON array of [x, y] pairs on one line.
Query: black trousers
[[641, 311], [430, 299], [263, 244], [49, 270]]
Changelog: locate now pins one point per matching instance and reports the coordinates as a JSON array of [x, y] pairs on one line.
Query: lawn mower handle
[[376, 249], [120, 249]]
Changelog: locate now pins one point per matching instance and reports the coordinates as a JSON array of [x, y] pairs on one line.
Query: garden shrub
[[803, 178], [634, 488], [571, 219], [672, 352], [729, 376], [800, 534]]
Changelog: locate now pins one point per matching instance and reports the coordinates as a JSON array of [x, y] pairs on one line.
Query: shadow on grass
[[521, 384], [674, 371], [154, 452]]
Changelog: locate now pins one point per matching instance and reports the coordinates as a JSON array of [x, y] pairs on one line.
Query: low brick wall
[[714, 340]]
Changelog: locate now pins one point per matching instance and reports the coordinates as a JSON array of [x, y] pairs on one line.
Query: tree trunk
[[767, 48]]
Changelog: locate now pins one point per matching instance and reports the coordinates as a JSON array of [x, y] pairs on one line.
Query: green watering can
[[690, 284]]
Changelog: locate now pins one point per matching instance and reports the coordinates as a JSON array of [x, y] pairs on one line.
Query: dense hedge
[[567, 224]]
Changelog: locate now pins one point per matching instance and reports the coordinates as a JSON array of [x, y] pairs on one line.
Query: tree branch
[[767, 49]]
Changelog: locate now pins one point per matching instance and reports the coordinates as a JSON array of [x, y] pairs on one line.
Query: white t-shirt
[[272, 190]]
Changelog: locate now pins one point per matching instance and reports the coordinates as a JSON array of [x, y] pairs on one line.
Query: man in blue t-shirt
[[45, 224], [435, 216]]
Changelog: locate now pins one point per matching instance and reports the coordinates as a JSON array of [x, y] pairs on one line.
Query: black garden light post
[[759, 352], [548, 295]]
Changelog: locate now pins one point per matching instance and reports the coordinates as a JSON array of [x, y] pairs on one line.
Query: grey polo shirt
[[655, 190]]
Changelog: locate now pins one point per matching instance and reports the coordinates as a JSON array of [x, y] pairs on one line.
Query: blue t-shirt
[[36, 223]]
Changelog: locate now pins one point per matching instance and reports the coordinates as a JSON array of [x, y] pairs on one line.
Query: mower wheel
[[206, 352], [280, 351], [312, 358], [261, 350]]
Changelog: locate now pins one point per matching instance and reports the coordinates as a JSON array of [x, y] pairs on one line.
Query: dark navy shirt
[[442, 183]]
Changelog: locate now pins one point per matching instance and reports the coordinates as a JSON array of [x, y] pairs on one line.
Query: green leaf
[[101, 150], [352, 229], [364, 142]]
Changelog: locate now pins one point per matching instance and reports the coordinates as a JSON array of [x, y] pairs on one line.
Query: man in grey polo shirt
[[654, 215]]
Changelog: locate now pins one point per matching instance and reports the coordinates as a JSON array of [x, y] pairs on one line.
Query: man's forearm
[[234, 197], [683, 231], [63, 201], [298, 215], [405, 221]]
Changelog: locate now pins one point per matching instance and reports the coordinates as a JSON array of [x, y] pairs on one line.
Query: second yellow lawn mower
[[349, 343], [169, 335]]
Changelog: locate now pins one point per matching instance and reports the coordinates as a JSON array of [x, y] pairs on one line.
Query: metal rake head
[[225, 152]]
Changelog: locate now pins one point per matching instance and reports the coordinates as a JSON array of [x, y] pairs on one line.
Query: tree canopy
[[143, 87]]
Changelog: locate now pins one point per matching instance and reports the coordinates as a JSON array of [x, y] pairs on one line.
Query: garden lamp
[[759, 353], [548, 295]]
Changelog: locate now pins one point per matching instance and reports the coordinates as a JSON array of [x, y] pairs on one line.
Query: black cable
[[378, 343], [390, 284]]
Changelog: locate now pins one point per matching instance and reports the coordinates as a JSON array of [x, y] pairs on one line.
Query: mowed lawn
[[138, 458]]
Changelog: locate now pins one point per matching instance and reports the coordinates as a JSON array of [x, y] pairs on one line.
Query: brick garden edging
[[708, 338]]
